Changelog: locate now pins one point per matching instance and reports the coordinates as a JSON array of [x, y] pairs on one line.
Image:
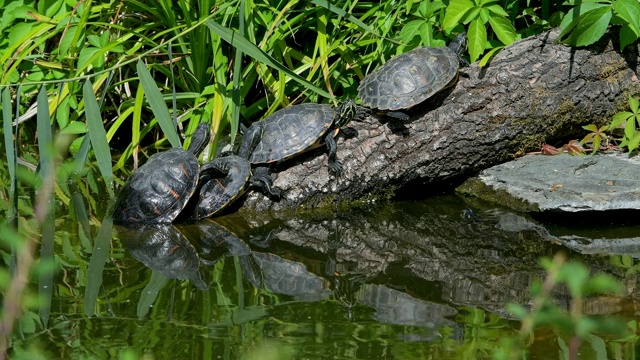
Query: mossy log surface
[[533, 91]]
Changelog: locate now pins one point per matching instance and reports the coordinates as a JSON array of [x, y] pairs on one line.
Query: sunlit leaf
[[477, 34], [633, 103], [455, 11], [489, 55], [590, 28], [503, 29], [629, 10]]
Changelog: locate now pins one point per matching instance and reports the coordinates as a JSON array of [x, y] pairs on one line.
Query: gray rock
[[536, 183]]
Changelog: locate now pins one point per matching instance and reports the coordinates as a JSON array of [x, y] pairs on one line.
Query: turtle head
[[459, 44], [346, 112], [199, 139]]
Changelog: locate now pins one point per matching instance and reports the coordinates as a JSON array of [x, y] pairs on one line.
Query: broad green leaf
[[471, 15], [627, 37], [477, 34], [455, 11], [74, 127], [85, 58], [498, 10], [98, 135], [572, 18], [590, 28], [633, 103], [619, 118], [255, 52], [426, 34], [158, 105], [410, 31], [630, 128], [503, 29], [629, 10], [590, 127]]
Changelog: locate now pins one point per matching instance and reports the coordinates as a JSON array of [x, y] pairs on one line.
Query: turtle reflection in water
[[285, 277], [165, 249]]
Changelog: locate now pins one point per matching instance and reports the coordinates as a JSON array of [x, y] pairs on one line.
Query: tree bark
[[533, 91]]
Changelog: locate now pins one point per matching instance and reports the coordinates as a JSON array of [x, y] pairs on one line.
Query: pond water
[[405, 280]]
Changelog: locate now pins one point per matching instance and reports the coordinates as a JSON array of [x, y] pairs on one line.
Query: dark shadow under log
[[533, 91]]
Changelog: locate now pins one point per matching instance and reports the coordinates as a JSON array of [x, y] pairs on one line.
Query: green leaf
[[410, 31], [255, 52], [455, 11], [590, 127], [98, 135], [629, 10], [74, 127], [633, 103], [158, 105], [634, 142], [497, 9], [426, 34], [572, 18], [619, 118], [504, 29], [590, 28], [627, 37], [471, 15], [489, 55], [86, 54], [477, 34], [630, 128]]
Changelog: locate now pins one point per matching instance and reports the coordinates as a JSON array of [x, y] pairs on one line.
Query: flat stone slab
[[537, 183]]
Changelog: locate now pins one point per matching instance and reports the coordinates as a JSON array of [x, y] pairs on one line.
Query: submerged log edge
[[533, 91]]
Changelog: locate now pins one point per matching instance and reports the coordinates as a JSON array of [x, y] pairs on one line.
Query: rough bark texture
[[533, 91]]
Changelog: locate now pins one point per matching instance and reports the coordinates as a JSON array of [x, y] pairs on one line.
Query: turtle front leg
[[261, 179], [332, 147]]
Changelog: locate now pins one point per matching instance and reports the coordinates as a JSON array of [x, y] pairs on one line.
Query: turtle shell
[[292, 130], [409, 79], [159, 190], [218, 192]]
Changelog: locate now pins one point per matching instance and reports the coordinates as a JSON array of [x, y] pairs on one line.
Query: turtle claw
[[336, 168]]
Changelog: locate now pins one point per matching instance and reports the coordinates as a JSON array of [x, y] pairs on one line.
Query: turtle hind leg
[[261, 179]]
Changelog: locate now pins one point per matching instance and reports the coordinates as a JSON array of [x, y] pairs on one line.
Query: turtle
[[413, 77], [222, 181], [158, 191], [291, 131]]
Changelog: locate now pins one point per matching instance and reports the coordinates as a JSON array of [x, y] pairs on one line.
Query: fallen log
[[533, 91]]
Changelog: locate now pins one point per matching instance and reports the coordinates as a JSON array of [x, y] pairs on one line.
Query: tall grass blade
[[45, 211], [96, 266], [150, 293], [78, 208], [157, 104], [237, 82], [173, 87], [255, 52], [45, 277], [98, 135], [10, 148]]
